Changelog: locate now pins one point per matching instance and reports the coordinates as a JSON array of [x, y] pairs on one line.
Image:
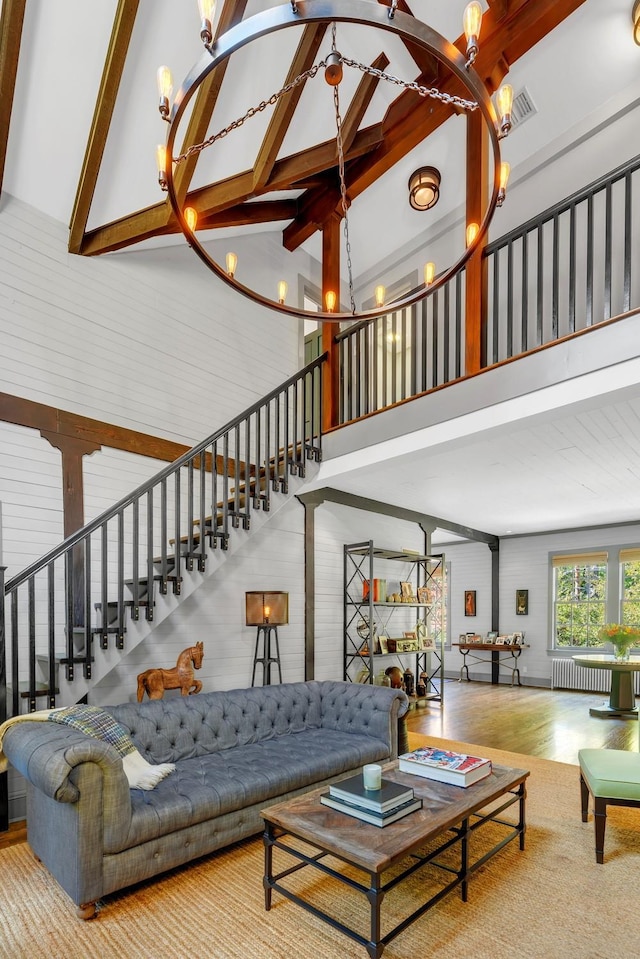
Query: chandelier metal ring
[[362, 12]]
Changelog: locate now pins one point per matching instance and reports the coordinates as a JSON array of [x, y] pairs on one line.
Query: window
[[579, 599], [630, 587]]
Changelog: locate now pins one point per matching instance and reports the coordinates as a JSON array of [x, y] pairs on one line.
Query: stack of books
[[379, 807], [445, 766]]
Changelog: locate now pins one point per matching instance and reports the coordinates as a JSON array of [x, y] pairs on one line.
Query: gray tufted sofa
[[235, 753]]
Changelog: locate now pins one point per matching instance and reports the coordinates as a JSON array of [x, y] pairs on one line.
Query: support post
[[309, 591], [476, 269], [331, 281]]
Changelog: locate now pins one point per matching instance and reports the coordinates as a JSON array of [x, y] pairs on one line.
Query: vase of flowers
[[622, 639]]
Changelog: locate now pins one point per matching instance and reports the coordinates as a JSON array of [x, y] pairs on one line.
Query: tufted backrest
[[361, 708], [183, 727]]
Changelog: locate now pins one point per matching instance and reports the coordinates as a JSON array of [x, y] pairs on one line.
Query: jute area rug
[[551, 901]]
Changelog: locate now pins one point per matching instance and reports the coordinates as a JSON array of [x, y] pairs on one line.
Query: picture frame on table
[[518, 639], [469, 602], [424, 595], [499, 641], [406, 591], [425, 642], [384, 645], [492, 636]]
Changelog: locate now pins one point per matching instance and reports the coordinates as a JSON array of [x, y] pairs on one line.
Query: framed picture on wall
[[522, 602], [469, 602]]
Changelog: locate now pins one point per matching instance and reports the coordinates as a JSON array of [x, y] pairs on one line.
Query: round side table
[[622, 700]]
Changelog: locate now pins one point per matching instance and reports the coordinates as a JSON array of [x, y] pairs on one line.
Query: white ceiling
[[557, 469]]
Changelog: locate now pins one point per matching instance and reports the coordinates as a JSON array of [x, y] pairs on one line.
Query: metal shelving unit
[[368, 619]]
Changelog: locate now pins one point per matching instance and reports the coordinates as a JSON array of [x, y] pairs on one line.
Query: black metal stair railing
[[82, 593], [563, 271]]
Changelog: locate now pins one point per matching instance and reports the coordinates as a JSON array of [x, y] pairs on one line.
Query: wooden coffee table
[[449, 817]]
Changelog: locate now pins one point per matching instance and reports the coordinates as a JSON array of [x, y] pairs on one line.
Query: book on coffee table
[[368, 815], [444, 766], [389, 795]]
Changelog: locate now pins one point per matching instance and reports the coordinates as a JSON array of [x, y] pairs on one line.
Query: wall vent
[[523, 108]]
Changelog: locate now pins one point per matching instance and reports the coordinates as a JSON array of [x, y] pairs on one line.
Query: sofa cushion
[[209, 785], [177, 728]]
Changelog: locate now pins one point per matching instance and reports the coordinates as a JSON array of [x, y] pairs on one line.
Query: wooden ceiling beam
[[152, 221], [121, 31], [360, 102], [499, 8], [286, 106], [206, 99], [245, 214], [11, 22]]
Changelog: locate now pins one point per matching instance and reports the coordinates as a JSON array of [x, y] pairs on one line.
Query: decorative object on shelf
[[153, 682], [364, 629], [453, 68], [406, 593], [379, 590], [425, 595], [518, 639], [469, 602], [622, 638], [522, 602], [266, 609], [395, 675], [408, 682], [492, 636]]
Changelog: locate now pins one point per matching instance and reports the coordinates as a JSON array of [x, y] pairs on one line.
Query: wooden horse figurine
[[155, 681]]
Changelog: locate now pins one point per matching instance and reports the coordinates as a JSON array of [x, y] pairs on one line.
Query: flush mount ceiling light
[[424, 188], [471, 95]]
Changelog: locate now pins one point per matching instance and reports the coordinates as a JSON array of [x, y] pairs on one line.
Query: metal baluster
[[555, 281], [225, 487], [88, 636], [572, 269], [15, 647], [510, 300], [342, 346], [69, 597], [267, 458], [626, 300], [214, 493], [525, 292], [150, 567], [403, 355], [495, 333], [287, 450], [135, 560], [51, 637], [349, 382], [414, 349], [539, 326], [394, 357], [294, 387], [377, 347], [190, 515], [607, 253], [458, 370], [164, 535], [358, 366], [202, 559], [446, 346], [120, 585], [589, 304], [104, 584], [32, 643], [434, 342]]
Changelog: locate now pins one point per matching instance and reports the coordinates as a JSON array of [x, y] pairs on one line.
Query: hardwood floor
[[551, 724]]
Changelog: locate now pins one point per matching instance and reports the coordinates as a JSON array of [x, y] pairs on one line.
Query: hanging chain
[[251, 112], [431, 92], [343, 195]]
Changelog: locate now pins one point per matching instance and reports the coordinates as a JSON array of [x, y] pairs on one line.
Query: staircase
[[67, 619]]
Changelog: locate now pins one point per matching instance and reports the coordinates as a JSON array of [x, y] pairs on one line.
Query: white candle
[[372, 775]]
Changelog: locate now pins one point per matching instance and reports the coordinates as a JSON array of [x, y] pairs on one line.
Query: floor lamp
[[267, 609]]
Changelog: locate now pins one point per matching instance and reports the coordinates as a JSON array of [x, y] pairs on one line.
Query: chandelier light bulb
[[191, 217], [207, 9], [161, 161], [282, 291], [429, 273], [330, 301], [472, 231], [165, 89], [635, 16], [505, 170], [232, 262], [504, 103], [380, 294], [472, 21]]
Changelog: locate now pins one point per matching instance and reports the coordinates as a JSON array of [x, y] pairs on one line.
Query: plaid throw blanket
[[93, 721]]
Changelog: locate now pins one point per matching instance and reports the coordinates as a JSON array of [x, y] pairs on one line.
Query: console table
[[505, 656], [622, 700]]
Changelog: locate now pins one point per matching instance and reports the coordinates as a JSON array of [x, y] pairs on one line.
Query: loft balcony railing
[[563, 271], [80, 596]]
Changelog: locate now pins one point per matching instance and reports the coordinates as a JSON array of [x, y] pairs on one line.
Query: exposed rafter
[[10, 34]]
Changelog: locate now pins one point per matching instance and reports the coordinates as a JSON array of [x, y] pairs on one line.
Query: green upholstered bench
[[612, 776]]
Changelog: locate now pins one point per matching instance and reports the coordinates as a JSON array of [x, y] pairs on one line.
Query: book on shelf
[[389, 795], [379, 590], [444, 766], [368, 815]]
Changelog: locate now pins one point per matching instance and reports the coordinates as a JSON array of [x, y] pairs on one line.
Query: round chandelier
[[424, 184]]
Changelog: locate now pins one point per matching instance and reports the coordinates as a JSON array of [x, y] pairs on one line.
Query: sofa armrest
[[364, 709]]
